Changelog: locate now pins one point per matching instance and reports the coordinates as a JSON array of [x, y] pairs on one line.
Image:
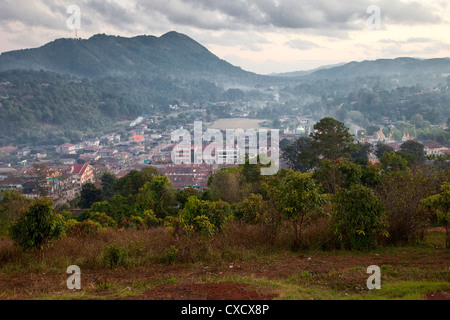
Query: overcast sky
[[262, 36]]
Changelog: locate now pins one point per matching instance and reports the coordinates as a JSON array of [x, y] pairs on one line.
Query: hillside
[[110, 56], [403, 71]]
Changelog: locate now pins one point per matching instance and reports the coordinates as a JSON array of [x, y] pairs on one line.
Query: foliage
[[226, 184], [392, 161], [415, 149], [298, 198], [103, 219], [381, 149], [358, 217], [38, 226], [12, 206], [298, 155], [84, 228], [440, 203], [89, 195], [204, 217], [333, 175], [401, 193], [332, 140], [115, 256], [108, 180]]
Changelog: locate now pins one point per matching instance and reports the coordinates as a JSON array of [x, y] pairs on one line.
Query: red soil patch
[[438, 295], [205, 291]]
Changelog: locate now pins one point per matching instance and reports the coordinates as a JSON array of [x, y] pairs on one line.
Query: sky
[[262, 36]]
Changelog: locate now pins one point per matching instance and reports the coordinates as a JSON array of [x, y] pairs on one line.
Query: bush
[[170, 256], [358, 217], [38, 226], [115, 256], [401, 193], [84, 228], [150, 219], [103, 219], [133, 222]]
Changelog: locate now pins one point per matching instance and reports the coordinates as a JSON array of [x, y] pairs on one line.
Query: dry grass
[[238, 242]]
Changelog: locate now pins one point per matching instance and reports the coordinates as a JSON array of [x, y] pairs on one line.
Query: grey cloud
[[301, 44], [325, 17]]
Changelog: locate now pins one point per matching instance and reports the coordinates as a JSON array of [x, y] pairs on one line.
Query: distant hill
[[172, 54], [403, 69], [306, 72]]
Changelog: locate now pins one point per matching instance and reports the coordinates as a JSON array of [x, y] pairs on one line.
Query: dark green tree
[[358, 217], [108, 180], [299, 156], [332, 140], [415, 149], [298, 198], [89, 195], [381, 149], [38, 226]]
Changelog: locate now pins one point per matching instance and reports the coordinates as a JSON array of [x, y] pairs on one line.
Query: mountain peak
[[104, 55], [173, 35]]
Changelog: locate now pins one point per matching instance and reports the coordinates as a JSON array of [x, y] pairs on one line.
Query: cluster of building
[[60, 171]]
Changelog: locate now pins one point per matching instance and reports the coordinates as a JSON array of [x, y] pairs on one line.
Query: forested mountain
[[400, 71], [100, 56], [72, 88]]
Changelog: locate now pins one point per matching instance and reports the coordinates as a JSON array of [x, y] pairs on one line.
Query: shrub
[[103, 219], [115, 256], [171, 255], [84, 228], [38, 226], [401, 193], [358, 217], [133, 222], [150, 219]]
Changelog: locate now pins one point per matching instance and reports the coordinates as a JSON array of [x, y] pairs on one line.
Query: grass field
[[235, 265]]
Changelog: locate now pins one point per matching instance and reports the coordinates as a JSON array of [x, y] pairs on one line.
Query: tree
[[333, 175], [183, 196], [401, 193], [12, 206], [38, 226], [89, 195], [298, 155], [225, 185], [416, 149], [157, 195], [440, 204], [391, 161], [363, 153], [358, 217], [129, 184], [299, 199], [332, 140], [382, 148], [108, 180]]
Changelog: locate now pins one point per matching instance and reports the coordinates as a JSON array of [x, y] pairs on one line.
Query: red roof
[[78, 168], [67, 145]]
